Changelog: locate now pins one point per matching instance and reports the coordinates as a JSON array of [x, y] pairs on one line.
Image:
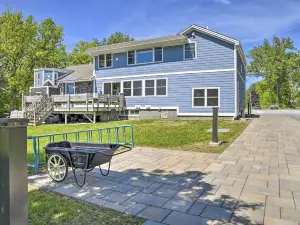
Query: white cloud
[[226, 2]]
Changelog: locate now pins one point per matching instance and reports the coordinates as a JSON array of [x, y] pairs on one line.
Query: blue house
[[182, 75]]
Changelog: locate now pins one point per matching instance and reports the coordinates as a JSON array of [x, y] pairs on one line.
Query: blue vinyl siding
[[212, 54], [180, 91]]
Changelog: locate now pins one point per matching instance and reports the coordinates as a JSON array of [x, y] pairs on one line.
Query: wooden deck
[[81, 103]]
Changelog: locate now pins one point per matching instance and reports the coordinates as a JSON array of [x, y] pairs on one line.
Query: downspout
[[236, 113]]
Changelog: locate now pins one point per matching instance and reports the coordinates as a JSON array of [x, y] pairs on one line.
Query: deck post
[[98, 102], [108, 101], [23, 101], [69, 102], [87, 102], [94, 118], [93, 102], [66, 118]]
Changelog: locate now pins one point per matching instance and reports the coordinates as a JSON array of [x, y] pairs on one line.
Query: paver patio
[[255, 181]]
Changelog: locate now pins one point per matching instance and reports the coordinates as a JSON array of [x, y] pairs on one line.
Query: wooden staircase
[[39, 110]]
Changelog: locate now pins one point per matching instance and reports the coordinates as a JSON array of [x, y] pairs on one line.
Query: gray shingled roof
[[135, 44], [79, 73]]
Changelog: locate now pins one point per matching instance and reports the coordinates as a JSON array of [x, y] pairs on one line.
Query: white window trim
[[205, 98], [144, 87], [195, 50], [153, 57], [112, 61]]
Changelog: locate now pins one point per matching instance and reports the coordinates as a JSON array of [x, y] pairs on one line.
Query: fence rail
[[118, 135]]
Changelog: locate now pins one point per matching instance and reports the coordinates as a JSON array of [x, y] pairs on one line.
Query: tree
[[25, 45], [78, 56], [117, 37], [276, 63]]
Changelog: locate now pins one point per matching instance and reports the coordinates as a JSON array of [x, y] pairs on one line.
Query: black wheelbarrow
[[86, 156]]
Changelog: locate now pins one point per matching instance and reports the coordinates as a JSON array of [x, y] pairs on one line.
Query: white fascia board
[[211, 33]]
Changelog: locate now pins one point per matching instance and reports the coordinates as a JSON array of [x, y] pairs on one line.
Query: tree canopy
[[24, 45], [278, 63]]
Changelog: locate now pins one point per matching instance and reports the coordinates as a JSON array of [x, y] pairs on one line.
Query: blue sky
[[247, 20]]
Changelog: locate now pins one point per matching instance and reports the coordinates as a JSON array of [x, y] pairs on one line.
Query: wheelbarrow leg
[[85, 170], [107, 170]]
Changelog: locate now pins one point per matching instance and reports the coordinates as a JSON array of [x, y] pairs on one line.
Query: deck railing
[[118, 135]]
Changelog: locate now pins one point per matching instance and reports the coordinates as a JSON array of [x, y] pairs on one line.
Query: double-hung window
[[133, 88], [127, 88], [206, 97], [137, 88], [161, 87], [190, 50], [149, 87], [105, 60], [131, 57], [158, 54]]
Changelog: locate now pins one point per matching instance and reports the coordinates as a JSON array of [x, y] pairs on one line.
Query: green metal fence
[[117, 135]]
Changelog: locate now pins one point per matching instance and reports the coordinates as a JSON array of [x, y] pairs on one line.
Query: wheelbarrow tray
[[77, 152]]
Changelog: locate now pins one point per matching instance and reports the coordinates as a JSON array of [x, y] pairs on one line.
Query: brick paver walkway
[[255, 181]]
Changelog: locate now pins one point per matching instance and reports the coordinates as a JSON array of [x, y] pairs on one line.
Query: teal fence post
[[132, 138], [36, 164]]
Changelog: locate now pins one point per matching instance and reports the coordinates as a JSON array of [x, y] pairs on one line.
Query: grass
[[46, 207], [190, 135]]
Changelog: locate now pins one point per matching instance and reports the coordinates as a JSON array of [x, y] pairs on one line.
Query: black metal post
[[215, 126]]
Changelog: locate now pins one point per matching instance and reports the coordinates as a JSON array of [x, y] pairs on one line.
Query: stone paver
[[196, 209], [178, 205], [255, 180], [217, 213], [154, 213], [179, 218]]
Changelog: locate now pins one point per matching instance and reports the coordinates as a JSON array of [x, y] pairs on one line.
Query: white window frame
[[205, 97], [134, 114], [144, 87], [112, 60], [190, 42], [153, 56], [154, 94], [111, 86], [162, 54]]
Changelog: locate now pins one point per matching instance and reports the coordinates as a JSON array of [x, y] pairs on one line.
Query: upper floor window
[[144, 56], [190, 50], [158, 54], [105, 60], [131, 57]]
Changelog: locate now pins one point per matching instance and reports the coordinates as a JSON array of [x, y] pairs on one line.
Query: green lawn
[[190, 135], [46, 207]]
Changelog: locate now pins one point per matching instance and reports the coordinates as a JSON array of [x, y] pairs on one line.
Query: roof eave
[[153, 44]]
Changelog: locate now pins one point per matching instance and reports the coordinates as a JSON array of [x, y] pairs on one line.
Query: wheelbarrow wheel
[[57, 167]]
